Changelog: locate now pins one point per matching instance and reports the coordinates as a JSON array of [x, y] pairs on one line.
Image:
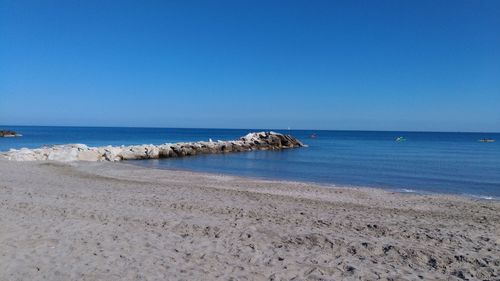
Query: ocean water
[[430, 162]]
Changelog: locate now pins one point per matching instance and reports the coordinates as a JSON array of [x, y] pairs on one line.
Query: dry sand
[[110, 221]]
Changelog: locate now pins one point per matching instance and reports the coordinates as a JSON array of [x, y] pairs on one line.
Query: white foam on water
[[484, 197]]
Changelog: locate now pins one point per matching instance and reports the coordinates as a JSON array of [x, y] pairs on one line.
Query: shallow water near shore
[[455, 163]]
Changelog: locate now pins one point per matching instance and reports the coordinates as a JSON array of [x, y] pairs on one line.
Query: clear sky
[[374, 65]]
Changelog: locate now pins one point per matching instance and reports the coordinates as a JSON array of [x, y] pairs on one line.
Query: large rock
[[62, 153], [112, 153], [135, 152], [152, 152], [165, 151], [23, 154], [8, 133], [89, 155]]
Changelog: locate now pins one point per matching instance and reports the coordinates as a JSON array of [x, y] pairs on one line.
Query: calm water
[[426, 162]]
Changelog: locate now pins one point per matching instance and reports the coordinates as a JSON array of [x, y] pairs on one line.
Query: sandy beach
[[115, 221]]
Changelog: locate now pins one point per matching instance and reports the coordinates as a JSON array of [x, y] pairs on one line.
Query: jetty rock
[[9, 133], [81, 152]]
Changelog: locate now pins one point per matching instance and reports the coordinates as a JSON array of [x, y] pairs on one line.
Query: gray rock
[[89, 155]]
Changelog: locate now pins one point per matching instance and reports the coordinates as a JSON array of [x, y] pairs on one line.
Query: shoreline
[[118, 221], [408, 191]]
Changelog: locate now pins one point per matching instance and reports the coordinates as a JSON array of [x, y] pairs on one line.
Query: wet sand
[[115, 221]]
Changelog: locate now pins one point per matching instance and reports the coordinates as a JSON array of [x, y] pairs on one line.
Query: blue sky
[[361, 65]]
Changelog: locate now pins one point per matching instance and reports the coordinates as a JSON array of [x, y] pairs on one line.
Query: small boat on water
[[400, 139], [486, 140], [313, 136]]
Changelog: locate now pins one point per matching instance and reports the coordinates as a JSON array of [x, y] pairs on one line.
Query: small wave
[[484, 197], [481, 197]]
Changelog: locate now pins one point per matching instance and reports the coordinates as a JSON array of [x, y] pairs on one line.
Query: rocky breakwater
[[81, 152]]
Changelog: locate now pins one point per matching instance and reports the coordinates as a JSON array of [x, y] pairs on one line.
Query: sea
[[426, 162]]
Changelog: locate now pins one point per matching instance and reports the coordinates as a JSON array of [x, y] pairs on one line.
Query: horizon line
[[270, 129]]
